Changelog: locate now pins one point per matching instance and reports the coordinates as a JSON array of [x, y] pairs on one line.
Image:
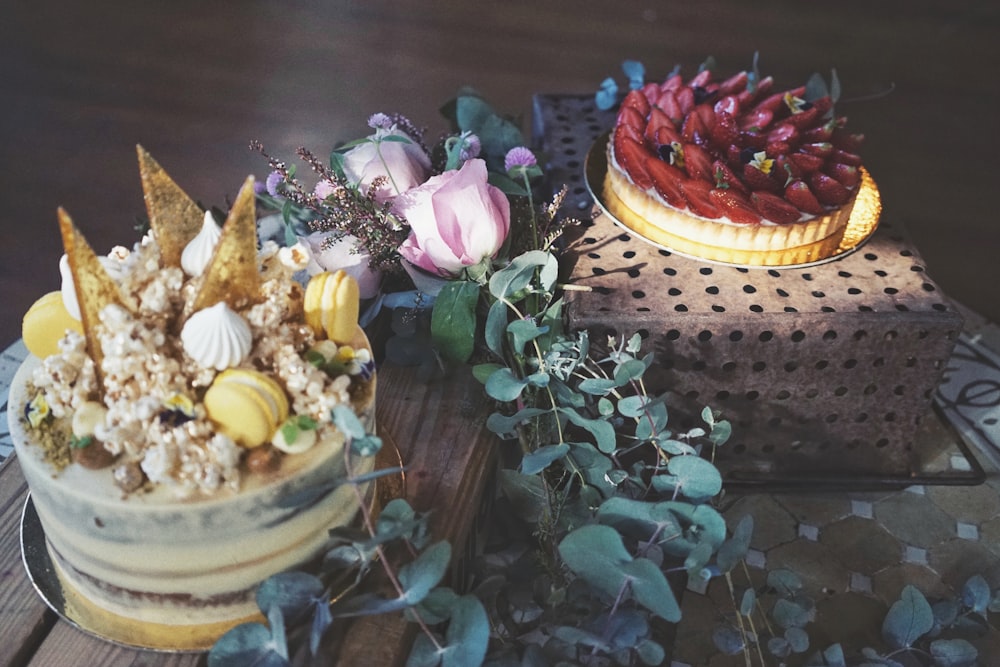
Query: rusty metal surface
[[825, 369]]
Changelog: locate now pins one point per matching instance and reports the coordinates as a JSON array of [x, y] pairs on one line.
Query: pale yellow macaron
[[332, 305], [46, 323], [246, 405]]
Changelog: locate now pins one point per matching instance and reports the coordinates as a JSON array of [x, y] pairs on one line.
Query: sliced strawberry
[[728, 104], [824, 104], [701, 79], [628, 131], [804, 118], [819, 133], [734, 206], [828, 190], [799, 195], [668, 102], [724, 131], [734, 84], [630, 116], [806, 162], [698, 198], [698, 163], [776, 148], [847, 175], [650, 92], [685, 97], [758, 180], [756, 119], [673, 82], [774, 208], [762, 90], [658, 119], [845, 140], [665, 136], [771, 103], [725, 177], [632, 158], [694, 130], [788, 169], [784, 131], [666, 181], [637, 100], [846, 157], [753, 139], [820, 148]]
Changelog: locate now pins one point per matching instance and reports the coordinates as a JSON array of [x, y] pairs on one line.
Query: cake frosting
[[733, 167], [180, 443]]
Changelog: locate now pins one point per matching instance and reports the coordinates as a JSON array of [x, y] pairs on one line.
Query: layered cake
[[181, 421], [725, 168]]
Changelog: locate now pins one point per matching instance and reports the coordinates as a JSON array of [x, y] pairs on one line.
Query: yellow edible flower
[[762, 162]]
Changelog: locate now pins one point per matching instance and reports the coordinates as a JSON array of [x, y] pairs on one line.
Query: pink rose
[[404, 164], [457, 220]]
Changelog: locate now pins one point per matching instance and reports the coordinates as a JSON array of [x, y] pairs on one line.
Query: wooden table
[[440, 432]]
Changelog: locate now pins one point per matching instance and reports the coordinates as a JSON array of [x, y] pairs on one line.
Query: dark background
[[82, 82]]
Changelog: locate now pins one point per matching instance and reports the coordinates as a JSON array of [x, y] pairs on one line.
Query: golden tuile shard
[[95, 288], [173, 216], [232, 275]]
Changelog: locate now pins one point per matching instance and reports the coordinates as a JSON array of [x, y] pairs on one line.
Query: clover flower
[[274, 179], [519, 156], [380, 121]]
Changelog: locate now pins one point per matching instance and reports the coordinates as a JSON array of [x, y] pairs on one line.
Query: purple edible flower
[[274, 179], [519, 156], [379, 121]]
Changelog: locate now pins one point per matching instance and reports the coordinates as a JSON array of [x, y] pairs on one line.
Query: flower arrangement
[[612, 508]]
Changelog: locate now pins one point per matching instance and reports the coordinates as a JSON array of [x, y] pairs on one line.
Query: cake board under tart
[[70, 606]]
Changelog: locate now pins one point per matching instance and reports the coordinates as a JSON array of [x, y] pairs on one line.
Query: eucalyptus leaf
[[954, 653], [789, 613], [633, 406], [909, 618], [294, 593], [436, 607], [728, 639], [581, 637], [785, 582], [518, 274], [523, 332], [419, 576], [976, 594], [720, 433], [748, 602], [482, 372], [506, 425], [322, 618], [597, 386], [504, 386], [628, 371], [603, 431], [639, 520], [651, 589], [249, 644], [453, 320], [735, 549], [526, 493], [692, 476], [496, 327], [593, 465], [778, 647], [650, 653], [468, 633], [607, 95], [347, 421], [798, 639], [540, 459], [636, 73], [596, 554], [423, 653]]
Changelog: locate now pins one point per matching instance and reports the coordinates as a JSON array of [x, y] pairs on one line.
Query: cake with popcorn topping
[[181, 421]]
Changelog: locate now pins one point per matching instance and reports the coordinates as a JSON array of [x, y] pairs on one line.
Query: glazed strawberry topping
[[729, 148]]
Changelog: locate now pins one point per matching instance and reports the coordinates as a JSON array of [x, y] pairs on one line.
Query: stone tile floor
[[855, 551]]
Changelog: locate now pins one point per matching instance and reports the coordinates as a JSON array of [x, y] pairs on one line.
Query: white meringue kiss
[[217, 337], [199, 250]]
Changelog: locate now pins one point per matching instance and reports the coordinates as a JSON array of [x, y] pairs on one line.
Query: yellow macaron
[[332, 305], [45, 324], [246, 405]]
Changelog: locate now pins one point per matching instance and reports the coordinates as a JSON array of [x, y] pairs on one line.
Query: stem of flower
[[366, 517]]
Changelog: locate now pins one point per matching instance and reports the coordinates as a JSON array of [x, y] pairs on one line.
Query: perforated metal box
[[825, 370]]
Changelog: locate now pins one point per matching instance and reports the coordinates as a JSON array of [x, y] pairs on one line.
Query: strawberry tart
[[734, 170]]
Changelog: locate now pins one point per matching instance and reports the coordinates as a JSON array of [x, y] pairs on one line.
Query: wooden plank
[[65, 640], [441, 434], [24, 618]]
